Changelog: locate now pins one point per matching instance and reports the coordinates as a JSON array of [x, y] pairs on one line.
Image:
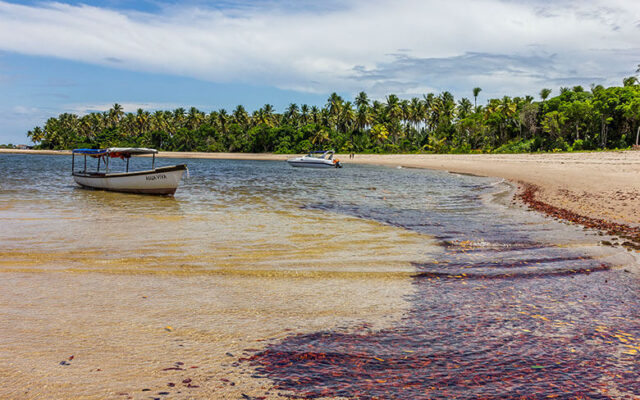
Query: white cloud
[[329, 50], [23, 110], [82, 109]]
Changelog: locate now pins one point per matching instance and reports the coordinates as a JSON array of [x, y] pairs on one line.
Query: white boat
[[161, 180], [316, 159]]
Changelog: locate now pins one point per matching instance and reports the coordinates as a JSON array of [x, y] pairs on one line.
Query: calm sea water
[[363, 282]]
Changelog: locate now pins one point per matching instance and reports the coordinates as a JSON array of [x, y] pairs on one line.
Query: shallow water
[[364, 282]]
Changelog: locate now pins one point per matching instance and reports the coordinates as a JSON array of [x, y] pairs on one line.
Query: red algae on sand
[[629, 233]]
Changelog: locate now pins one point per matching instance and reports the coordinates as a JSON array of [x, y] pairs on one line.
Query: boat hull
[[311, 164], [163, 180]]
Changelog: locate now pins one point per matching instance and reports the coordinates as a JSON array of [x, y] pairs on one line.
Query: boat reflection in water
[[162, 180]]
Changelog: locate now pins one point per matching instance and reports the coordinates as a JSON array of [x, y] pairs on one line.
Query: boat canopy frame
[[111, 152]]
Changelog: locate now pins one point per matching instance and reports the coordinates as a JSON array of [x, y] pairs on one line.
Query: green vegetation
[[576, 119]]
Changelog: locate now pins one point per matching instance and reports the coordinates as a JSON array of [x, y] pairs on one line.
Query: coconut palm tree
[[363, 118], [315, 114], [362, 100], [464, 108], [268, 115], [377, 111], [143, 121], [416, 109], [394, 114], [36, 135], [319, 137], [177, 119], [159, 121], [291, 114], [544, 93], [347, 118], [476, 92], [115, 114], [223, 120], [334, 105], [304, 114], [241, 117], [194, 119]]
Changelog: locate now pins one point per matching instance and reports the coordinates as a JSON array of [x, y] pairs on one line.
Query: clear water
[[363, 282]]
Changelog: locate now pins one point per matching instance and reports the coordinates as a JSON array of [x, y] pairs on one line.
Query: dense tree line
[[575, 119]]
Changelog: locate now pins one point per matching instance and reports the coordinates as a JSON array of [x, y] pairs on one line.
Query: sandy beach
[[600, 185]]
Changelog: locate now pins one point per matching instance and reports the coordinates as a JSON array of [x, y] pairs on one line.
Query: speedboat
[[316, 159], [161, 180]]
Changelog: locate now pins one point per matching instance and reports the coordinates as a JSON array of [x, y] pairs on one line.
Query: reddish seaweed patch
[[497, 315], [552, 330], [513, 275], [632, 233]]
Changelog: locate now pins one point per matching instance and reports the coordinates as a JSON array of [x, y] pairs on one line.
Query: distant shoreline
[[596, 185]]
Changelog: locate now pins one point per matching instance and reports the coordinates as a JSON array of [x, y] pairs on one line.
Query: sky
[[84, 56]]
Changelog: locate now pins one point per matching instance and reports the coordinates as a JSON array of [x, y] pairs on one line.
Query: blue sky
[[82, 56]]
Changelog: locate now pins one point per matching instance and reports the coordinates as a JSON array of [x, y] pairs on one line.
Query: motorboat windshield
[[324, 154]]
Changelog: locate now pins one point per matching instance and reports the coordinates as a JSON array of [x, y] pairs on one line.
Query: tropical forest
[[575, 119]]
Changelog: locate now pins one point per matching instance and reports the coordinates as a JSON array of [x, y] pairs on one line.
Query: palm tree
[[178, 119], [630, 81], [544, 93], [427, 105], [393, 111], [415, 111], [115, 113], [315, 114], [334, 105], [319, 137], [194, 119], [304, 114], [363, 118], [85, 127], [362, 100], [36, 135], [377, 111], [508, 108], [241, 116], [159, 121], [464, 108], [268, 115], [476, 92], [291, 114], [223, 120], [393, 107], [347, 118], [142, 121]]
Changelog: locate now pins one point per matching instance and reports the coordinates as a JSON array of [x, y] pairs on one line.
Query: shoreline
[[597, 189]]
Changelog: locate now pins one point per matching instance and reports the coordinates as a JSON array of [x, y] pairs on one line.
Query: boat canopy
[[90, 152], [118, 150], [131, 150], [321, 151]]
